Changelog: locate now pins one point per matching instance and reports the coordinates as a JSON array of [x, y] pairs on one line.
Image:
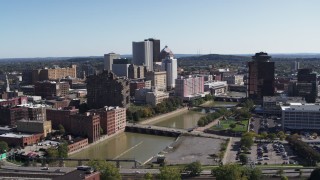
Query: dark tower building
[[106, 89], [156, 49], [261, 77], [307, 85]]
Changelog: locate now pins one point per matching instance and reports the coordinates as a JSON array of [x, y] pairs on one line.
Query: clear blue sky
[[47, 28]]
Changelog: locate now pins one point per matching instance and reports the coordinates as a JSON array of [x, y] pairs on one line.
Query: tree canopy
[[108, 171], [169, 173], [193, 169]]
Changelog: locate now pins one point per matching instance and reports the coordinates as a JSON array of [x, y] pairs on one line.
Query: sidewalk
[[214, 122], [159, 117]]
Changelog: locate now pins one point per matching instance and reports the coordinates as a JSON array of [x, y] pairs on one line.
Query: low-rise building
[[61, 116], [47, 89], [77, 144], [26, 126], [299, 116], [155, 97], [216, 87], [21, 140], [272, 104]]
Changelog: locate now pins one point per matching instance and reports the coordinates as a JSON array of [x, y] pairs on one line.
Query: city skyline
[[82, 28]]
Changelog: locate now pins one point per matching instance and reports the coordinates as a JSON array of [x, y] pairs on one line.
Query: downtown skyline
[[83, 28]]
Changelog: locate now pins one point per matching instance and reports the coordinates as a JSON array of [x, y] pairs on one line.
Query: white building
[[216, 87], [142, 54], [169, 64], [108, 60], [301, 116]]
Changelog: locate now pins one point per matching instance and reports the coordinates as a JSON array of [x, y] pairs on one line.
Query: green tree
[[284, 178], [62, 131], [169, 173], [136, 116], [264, 135], [101, 130], [52, 153], [193, 169], [148, 176], [281, 135], [253, 174], [232, 125], [272, 136], [228, 172], [3, 147], [246, 141], [315, 174], [243, 158], [63, 150], [108, 171]]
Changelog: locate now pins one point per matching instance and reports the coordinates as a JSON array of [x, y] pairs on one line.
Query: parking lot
[[265, 124]]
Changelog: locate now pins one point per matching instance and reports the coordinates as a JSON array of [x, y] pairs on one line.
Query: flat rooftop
[[14, 135]]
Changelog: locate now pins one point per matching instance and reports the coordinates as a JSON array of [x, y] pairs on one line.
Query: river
[[141, 147]]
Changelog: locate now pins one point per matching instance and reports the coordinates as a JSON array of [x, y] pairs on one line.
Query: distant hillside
[[216, 57]]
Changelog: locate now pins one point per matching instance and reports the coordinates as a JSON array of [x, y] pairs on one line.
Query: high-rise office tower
[[169, 64], [261, 77], [156, 49], [146, 53], [108, 60]]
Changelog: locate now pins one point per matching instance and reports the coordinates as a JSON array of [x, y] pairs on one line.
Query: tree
[[136, 116], [272, 136], [315, 174], [255, 174], [63, 150], [194, 169], [108, 171], [232, 125], [169, 173], [3, 147], [101, 130], [281, 135], [246, 141], [264, 135], [284, 178], [148, 176], [243, 158], [62, 131], [228, 172]]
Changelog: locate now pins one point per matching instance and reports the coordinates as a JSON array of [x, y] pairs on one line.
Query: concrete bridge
[[82, 160], [154, 130]]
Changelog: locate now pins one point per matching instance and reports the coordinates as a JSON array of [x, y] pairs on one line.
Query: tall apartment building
[[261, 77], [54, 73], [169, 64], [108, 60], [61, 116], [86, 125], [112, 119], [189, 87], [47, 89], [158, 79], [301, 116], [136, 72], [142, 54], [10, 115], [106, 89]]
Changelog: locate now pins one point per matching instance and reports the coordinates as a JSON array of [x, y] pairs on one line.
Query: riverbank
[[102, 138], [162, 117]]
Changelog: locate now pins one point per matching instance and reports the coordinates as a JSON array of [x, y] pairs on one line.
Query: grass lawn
[[134, 108], [224, 125], [217, 103]]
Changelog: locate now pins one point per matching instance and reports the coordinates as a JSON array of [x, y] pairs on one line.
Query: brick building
[[136, 85], [53, 74], [14, 101], [47, 89], [106, 89], [86, 125], [77, 144], [43, 127], [112, 119], [21, 140], [61, 116], [10, 115]]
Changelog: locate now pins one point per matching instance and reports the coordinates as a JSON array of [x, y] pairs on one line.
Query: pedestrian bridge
[[154, 130]]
